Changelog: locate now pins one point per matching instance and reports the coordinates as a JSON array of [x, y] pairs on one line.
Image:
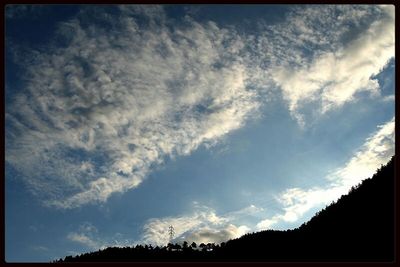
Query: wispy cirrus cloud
[[98, 113], [376, 151], [389, 98], [87, 235], [128, 88], [333, 76], [83, 239]]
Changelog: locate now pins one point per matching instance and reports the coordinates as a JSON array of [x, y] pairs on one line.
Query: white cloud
[[201, 226], [87, 236], [217, 236], [389, 98], [111, 104], [332, 78], [83, 239], [156, 230], [268, 223], [376, 151]]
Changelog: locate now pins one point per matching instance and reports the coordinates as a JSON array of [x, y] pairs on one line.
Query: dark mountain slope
[[358, 227]]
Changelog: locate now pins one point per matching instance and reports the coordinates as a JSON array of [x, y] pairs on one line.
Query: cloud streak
[[332, 78], [86, 236], [376, 151]]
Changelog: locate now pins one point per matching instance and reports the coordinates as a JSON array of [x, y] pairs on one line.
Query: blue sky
[[218, 120]]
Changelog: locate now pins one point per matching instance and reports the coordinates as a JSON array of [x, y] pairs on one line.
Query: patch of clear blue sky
[[265, 157]]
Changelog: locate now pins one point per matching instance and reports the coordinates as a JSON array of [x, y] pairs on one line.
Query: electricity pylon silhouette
[[171, 232]]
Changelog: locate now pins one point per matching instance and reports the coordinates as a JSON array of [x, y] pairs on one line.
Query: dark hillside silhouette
[[357, 227]]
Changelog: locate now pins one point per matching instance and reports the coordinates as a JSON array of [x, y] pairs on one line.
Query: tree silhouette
[[170, 246], [203, 247]]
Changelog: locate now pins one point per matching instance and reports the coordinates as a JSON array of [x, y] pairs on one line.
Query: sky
[[219, 120]]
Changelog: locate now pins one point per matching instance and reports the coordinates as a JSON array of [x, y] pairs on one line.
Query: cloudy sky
[[218, 120]]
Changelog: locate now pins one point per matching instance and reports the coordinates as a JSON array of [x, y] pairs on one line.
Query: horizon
[[220, 120]]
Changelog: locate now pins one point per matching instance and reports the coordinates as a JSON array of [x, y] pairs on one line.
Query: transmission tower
[[171, 232]]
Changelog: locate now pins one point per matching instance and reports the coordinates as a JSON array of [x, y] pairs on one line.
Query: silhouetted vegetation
[[357, 227]]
